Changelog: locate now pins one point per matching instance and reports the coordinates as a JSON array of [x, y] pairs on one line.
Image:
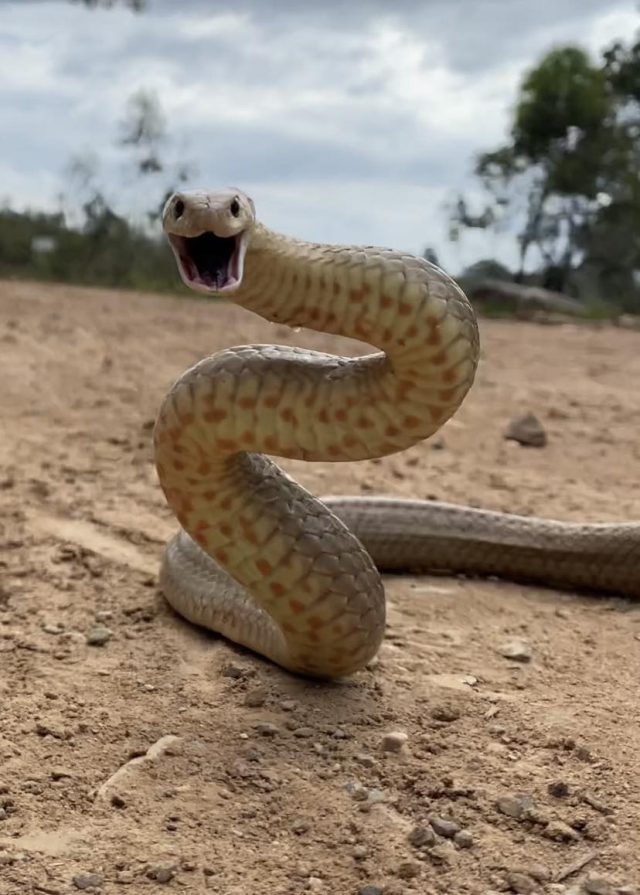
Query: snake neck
[[406, 306]]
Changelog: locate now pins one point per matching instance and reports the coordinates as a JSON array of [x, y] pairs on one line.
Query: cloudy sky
[[346, 121]]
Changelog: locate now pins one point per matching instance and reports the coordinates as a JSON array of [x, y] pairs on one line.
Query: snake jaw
[[209, 263]]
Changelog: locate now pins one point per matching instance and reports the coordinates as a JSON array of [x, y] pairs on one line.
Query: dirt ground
[[514, 776]]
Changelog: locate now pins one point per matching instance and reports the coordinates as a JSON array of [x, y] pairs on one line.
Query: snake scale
[[259, 559]]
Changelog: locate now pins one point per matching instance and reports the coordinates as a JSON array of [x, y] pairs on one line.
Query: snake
[[257, 558]]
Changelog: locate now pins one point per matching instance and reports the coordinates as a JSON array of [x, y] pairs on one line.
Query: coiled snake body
[[259, 559]]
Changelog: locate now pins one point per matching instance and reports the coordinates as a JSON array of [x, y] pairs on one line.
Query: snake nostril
[[178, 209]]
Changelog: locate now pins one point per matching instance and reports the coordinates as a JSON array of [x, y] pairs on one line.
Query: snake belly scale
[[260, 560]]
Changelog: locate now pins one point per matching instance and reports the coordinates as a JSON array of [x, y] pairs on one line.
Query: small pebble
[[394, 741], [360, 852], [463, 839], [303, 732], [596, 885], [98, 635], [162, 873], [516, 805], [370, 890], [527, 430], [103, 615], [559, 789], [58, 773], [445, 713], [517, 650], [88, 881], [520, 883], [256, 698], [315, 884], [300, 826], [266, 729], [560, 832], [445, 828], [422, 836], [408, 870]]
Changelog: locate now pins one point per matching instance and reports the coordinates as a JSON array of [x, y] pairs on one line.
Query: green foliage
[[567, 179]]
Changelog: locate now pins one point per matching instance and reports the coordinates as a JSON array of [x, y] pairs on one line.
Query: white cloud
[[348, 122]]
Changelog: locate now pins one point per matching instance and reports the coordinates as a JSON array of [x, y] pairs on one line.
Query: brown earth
[[309, 801]]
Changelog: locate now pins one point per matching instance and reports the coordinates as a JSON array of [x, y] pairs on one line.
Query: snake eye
[[178, 209], [234, 208]]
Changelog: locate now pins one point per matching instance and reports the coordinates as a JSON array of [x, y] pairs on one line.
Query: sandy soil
[[267, 783]]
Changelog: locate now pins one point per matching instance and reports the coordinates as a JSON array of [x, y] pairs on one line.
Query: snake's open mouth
[[210, 263]]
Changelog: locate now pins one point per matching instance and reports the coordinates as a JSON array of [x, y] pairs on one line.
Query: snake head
[[209, 233]]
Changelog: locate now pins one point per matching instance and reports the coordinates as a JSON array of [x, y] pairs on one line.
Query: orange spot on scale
[[204, 469], [363, 423], [271, 444], [264, 566], [200, 537], [337, 288], [323, 416], [386, 301], [296, 606], [411, 422], [386, 334], [437, 413], [288, 628], [351, 402], [226, 444], [313, 636], [356, 296], [271, 401], [178, 465], [447, 394], [331, 318], [215, 416], [350, 441], [404, 308], [210, 495], [449, 375], [341, 414], [226, 503], [333, 450], [225, 529], [186, 419], [362, 330], [391, 431], [221, 555], [412, 331], [289, 416], [178, 449], [439, 358], [276, 588], [247, 403], [315, 622], [249, 533], [248, 438], [314, 314]]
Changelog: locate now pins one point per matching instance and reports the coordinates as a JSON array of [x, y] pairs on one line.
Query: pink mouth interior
[[207, 262]]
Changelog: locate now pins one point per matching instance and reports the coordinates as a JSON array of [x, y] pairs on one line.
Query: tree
[[566, 180], [144, 132]]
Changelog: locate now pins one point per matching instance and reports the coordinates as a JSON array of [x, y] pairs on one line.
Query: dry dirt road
[[514, 777]]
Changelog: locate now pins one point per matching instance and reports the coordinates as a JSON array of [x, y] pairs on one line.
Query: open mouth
[[209, 263]]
